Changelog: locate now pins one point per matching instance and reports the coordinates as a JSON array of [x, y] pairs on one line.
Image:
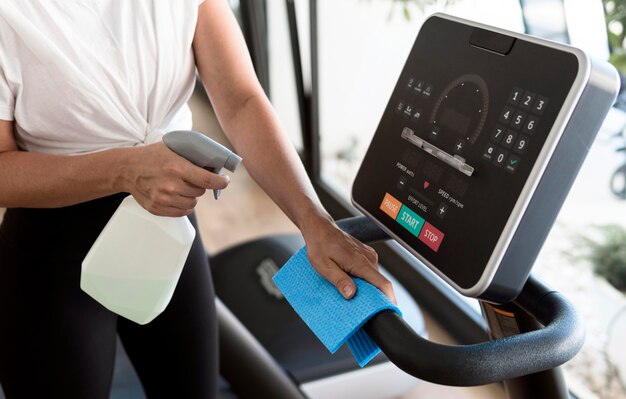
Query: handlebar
[[467, 365]]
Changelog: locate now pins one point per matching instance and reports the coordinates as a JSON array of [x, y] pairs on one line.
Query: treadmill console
[[477, 149]]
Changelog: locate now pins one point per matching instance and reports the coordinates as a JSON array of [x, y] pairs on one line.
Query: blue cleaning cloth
[[333, 319]]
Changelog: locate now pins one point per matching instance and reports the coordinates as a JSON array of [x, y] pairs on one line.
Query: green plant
[[615, 11], [607, 253]]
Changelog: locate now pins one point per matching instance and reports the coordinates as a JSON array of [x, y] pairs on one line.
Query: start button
[[410, 220]]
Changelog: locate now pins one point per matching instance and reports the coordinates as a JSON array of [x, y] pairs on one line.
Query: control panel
[[469, 128]]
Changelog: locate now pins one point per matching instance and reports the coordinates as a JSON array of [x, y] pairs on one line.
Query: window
[[283, 90]]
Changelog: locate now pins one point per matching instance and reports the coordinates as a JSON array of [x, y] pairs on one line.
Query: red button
[[431, 236]]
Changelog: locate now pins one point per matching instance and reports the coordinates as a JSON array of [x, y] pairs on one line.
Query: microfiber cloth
[[333, 319]]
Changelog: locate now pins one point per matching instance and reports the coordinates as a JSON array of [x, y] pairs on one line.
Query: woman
[[87, 88]]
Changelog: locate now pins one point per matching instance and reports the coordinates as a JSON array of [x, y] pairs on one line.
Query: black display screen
[[457, 142]]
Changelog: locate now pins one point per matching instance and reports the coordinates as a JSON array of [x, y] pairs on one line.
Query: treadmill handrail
[[477, 364]]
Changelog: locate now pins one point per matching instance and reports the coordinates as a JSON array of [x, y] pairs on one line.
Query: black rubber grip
[[487, 362], [363, 229], [483, 363]]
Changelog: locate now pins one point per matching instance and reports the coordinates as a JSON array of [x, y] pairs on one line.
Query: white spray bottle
[[134, 265]]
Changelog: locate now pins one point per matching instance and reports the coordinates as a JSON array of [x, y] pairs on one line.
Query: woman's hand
[[253, 128], [165, 183], [336, 255]]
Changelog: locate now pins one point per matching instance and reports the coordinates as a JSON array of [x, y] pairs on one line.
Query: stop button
[[431, 236]]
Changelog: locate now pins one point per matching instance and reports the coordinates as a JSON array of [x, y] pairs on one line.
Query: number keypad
[[518, 120]]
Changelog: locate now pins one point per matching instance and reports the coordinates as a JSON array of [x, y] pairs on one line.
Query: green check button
[[512, 163]]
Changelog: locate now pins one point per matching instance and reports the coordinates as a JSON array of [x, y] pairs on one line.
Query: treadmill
[[474, 155]]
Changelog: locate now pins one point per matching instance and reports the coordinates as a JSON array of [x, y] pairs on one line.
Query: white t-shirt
[[80, 76]]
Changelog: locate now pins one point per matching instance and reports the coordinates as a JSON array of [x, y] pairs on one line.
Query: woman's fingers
[[336, 256], [336, 276], [203, 178], [362, 267], [167, 184], [190, 190], [166, 205], [360, 260]]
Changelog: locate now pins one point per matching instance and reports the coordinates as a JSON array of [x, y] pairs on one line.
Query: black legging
[[56, 341]]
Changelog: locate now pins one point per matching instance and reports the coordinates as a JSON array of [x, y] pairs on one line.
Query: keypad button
[[489, 152], [521, 144], [428, 90], [402, 183], [507, 115], [434, 133], [431, 236], [410, 83], [399, 108], [531, 125], [512, 163], [408, 111], [509, 139], [540, 105], [390, 206], [417, 114], [418, 87], [442, 209], [410, 220], [499, 158], [527, 101], [497, 133], [518, 120], [458, 146], [515, 96]]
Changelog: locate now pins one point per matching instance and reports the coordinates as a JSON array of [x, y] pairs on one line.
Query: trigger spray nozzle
[[202, 151]]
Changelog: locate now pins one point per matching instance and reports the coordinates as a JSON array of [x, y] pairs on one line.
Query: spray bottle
[[134, 265]]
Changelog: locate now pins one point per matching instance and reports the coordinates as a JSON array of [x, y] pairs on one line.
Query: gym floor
[[245, 212]]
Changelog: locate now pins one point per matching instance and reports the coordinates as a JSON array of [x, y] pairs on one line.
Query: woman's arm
[[253, 127], [161, 181]]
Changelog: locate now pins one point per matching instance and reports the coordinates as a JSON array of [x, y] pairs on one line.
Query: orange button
[[390, 206]]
